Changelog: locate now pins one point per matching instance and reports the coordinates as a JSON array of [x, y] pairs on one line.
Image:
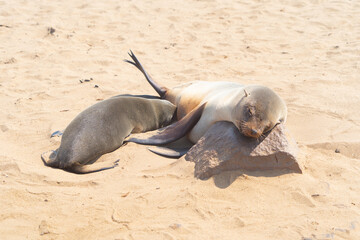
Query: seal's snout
[[250, 131], [254, 132]]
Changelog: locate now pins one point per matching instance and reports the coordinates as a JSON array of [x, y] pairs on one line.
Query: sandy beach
[[308, 51]]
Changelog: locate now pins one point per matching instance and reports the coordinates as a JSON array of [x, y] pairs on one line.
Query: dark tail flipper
[[169, 152], [170, 133], [158, 88]]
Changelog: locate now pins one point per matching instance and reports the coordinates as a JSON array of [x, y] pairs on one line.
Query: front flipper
[[169, 152], [170, 133], [57, 134]]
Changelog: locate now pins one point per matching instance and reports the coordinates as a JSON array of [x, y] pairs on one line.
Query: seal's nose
[[254, 132]]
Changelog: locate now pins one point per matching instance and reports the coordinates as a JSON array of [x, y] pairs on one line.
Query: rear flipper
[[169, 152], [170, 133], [161, 90], [49, 159], [95, 167]]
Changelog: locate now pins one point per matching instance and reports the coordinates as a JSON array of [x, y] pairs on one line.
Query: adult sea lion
[[102, 128], [253, 109]]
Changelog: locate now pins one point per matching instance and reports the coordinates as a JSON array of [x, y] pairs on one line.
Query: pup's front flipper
[[170, 133], [57, 134]]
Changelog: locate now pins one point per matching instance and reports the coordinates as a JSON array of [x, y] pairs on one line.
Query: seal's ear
[[246, 93]]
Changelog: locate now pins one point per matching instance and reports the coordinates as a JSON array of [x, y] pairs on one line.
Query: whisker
[[261, 137]]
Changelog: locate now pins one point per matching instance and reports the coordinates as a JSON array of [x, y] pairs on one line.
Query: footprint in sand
[[4, 128], [302, 199], [349, 149]]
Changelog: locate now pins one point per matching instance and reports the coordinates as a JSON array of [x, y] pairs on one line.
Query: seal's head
[[259, 110], [165, 112]]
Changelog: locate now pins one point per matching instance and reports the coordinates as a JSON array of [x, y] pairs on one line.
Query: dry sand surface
[[307, 51]]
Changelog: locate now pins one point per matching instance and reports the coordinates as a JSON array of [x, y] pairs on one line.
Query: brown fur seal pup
[[253, 109], [102, 128]]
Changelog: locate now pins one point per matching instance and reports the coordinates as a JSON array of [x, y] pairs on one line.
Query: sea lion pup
[[102, 128], [253, 109]]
